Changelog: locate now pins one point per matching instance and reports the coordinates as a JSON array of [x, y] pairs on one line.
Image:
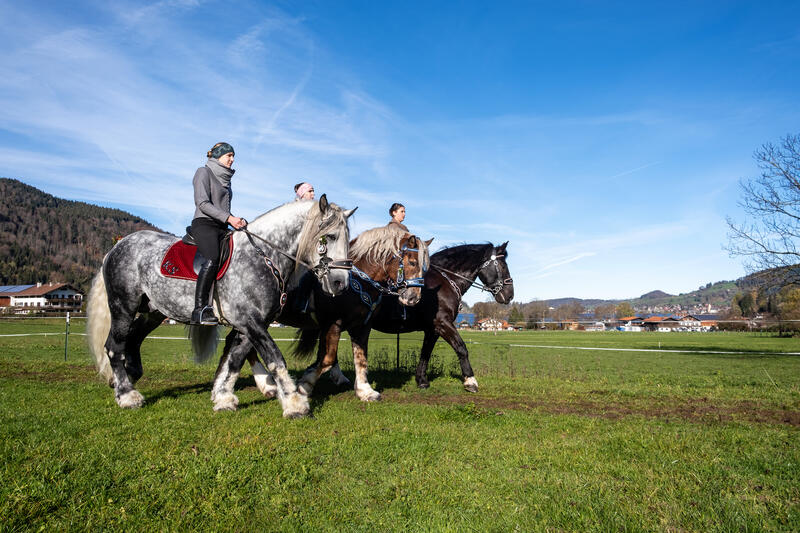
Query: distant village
[[57, 299]]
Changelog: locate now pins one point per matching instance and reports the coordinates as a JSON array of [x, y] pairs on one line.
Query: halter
[[322, 269], [499, 283], [402, 282], [393, 288], [494, 288]]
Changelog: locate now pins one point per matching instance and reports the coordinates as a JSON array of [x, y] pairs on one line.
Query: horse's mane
[[462, 255], [316, 225], [377, 245]]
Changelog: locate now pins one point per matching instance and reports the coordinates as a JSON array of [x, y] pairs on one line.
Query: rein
[[321, 269], [494, 289]]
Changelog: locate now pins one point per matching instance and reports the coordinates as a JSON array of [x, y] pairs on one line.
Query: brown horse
[[387, 263]]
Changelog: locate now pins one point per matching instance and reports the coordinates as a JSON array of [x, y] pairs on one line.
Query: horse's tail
[[204, 341], [305, 342], [98, 324]]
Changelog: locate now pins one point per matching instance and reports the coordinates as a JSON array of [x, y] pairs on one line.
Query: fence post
[[66, 338], [397, 363]]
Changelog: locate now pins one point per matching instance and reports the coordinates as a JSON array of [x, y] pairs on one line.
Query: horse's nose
[[338, 286]]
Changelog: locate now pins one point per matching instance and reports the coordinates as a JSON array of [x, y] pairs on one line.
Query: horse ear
[[502, 248], [349, 212], [428, 243], [412, 241], [323, 203]]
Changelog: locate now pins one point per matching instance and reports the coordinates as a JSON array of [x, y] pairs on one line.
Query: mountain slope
[[44, 238]]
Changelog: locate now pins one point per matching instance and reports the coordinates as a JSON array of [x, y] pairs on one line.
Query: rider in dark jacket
[[212, 198]]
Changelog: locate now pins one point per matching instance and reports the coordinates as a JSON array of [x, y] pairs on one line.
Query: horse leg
[[424, 357], [338, 377], [230, 364], [360, 340], [125, 394], [263, 379], [144, 324], [327, 352], [450, 334], [295, 405]]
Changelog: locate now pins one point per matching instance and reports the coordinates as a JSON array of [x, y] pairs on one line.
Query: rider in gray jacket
[[212, 198]]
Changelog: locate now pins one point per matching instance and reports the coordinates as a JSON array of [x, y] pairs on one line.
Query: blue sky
[[605, 141]]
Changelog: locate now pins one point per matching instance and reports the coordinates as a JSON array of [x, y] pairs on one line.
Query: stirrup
[[204, 316]]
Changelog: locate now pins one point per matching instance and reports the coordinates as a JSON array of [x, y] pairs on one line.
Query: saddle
[[182, 261]]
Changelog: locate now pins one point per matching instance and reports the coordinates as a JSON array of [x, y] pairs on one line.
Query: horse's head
[[495, 276], [390, 255], [324, 242], [412, 263]]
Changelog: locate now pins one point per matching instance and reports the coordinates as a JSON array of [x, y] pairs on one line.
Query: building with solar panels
[[42, 298]]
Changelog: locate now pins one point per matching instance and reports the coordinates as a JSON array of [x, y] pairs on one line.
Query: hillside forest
[[49, 239]]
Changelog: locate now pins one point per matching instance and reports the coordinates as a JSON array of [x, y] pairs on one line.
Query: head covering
[[303, 189], [220, 149]]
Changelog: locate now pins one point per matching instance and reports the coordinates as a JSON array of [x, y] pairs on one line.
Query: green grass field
[[558, 438]]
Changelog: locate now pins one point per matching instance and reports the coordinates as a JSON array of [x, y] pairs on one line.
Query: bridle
[[325, 265], [393, 288], [495, 288], [402, 282], [322, 269]]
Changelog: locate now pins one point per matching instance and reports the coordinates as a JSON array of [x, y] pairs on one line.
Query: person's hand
[[236, 222]]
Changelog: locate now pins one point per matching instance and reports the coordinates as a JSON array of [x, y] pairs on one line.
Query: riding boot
[[203, 314]]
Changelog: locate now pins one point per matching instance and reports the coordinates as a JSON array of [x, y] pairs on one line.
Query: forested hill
[[44, 238]]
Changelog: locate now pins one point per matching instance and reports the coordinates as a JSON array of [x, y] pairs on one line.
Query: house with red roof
[[40, 298]]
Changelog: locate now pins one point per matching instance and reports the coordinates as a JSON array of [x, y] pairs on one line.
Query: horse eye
[[412, 263], [330, 237]]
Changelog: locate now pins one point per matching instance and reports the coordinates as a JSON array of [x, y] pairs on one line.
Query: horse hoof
[[131, 400], [270, 394], [471, 384], [423, 384], [226, 403], [305, 388], [374, 396], [296, 406]]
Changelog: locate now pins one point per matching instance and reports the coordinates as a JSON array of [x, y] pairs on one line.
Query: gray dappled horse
[[386, 262], [248, 297]]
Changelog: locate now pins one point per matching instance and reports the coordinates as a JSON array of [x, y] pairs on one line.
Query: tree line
[[49, 239]]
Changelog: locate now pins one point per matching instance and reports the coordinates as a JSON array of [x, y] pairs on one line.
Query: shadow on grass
[[178, 391]]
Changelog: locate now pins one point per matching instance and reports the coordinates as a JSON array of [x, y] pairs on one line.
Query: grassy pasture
[[558, 438]]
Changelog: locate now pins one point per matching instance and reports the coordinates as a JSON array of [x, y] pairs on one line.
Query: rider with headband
[[304, 191], [212, 198]]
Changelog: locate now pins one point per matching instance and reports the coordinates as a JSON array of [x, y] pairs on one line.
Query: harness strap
[[271, 266], [494, 289], [365, 296], [325, 262]]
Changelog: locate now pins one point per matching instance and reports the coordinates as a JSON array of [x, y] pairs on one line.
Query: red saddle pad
[[178, 262]]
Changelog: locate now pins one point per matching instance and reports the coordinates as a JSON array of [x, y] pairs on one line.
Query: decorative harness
[[494, 288], [322, 269], [393, 289]]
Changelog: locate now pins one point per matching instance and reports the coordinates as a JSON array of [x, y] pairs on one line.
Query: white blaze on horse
[[130, 296]]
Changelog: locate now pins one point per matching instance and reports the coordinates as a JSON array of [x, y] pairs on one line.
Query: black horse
[[453, 271]]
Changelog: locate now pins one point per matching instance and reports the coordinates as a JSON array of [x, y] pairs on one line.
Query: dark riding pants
[[208, 234]]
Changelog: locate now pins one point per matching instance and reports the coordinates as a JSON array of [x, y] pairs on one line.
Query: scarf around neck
[[222, 173]]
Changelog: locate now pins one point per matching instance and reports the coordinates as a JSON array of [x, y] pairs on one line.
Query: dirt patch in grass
[[700, 410]]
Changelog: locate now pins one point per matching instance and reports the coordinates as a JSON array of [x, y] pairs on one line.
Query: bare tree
[[770, 239]]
